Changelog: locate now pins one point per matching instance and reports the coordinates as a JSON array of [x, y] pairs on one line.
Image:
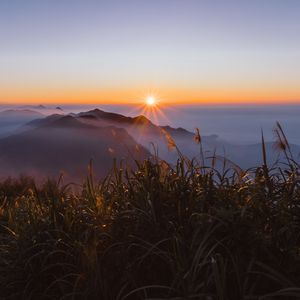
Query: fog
[[240, 124], [236, 124]]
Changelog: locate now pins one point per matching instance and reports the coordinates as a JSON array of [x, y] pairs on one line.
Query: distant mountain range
[[12, 119], [37, 107], [43, 146], [46, 147]]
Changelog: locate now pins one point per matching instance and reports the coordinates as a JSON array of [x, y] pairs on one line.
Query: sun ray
[[152, 107]]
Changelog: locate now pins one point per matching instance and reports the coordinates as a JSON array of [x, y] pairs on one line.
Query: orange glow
[[152, 110], [134, 95]]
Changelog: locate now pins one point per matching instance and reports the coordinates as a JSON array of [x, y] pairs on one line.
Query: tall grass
[[187, 231]]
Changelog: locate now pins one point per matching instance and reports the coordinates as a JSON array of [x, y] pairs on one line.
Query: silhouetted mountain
[[148, 134], [138, 126], [45, 110], [44, 121], [65, 144], [177, 132], [114, 118], [12, 119], [66, 122]]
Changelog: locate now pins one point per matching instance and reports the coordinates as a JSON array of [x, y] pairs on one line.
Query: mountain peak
[[96, 111], [106, 116], [66, 122], [142, 120]]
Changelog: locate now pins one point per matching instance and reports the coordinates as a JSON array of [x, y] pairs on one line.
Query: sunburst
[[151, 101]]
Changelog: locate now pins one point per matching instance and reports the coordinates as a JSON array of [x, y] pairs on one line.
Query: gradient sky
[[205, 51]]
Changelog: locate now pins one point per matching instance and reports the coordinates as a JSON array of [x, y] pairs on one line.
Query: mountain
[[148, 134], [19, 115], [64, 144], [45, 110], [43, 121], [12, 119], [45, 146], [35, 107]]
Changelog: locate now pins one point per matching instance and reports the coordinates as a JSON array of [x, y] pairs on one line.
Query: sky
[[181, 51]]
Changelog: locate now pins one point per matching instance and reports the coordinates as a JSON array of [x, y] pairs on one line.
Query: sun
[[151, 101]]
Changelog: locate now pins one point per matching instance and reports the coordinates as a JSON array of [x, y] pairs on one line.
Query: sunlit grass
[[188, 231]]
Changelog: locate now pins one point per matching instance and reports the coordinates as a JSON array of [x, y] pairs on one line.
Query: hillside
[[65, 140], [148, 134], [66, 145], [157, 232]]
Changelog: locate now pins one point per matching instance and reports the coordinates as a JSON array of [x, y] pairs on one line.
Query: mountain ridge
[[113, 135]]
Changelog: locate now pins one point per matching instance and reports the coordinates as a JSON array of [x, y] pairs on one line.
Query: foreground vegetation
[[157, 232]]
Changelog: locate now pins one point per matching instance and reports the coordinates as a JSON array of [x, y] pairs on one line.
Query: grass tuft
[[187, 231]]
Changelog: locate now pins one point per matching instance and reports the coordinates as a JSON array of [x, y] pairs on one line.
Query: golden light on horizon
[[151, 101], [151, 106], [53, 94]]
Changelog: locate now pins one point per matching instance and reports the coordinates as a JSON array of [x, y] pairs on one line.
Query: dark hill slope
[[66, 145]]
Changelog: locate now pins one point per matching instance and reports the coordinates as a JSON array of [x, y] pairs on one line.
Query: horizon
[[118, 52]]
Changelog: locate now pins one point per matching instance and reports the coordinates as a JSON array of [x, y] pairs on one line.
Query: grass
[[187, 231]]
